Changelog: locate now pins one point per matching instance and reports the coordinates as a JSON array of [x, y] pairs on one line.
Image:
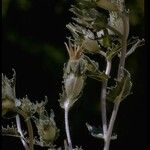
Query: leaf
[[10, 130], [8, 96], [107, 5], [75, 30], [110, 54], [106, 41], [134, 46], [100, 76], [86, 4], [97, 132], [99, 24], [122, 88], [90, 45], [93, 70], [90, 18], [8, 87], [76, 11]]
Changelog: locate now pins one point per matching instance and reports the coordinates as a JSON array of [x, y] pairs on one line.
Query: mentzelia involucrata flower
[[74, 76]]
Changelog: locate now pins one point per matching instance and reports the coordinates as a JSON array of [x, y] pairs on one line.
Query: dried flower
[[8, 87], [27, 107], [40, 107], [8, 96], [74, 51], [74, 76], [47, 130]]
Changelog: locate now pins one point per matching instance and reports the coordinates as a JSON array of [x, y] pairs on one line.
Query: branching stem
[[21, 133], [29, 126], [119, 76]]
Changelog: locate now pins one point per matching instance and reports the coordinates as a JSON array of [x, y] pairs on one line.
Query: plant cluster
[[99, 27]]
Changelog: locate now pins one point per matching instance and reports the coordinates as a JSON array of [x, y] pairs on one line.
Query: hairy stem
[[124, 46], [67, 128], [108, 68], [21, 133], [29, 126], [119, 76], [111, 125], [103, 100], [103, 108]]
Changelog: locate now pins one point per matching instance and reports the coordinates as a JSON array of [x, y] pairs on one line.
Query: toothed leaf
[[97, 132], [110, 54], [122, 88], [93, 70]]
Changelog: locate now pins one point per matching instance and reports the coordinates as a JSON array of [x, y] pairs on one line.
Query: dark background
[[33, 35]]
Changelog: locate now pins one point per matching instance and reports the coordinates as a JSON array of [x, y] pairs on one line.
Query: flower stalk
[[67, 127]]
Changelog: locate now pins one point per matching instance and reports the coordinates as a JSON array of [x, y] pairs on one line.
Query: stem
[[111, 125], [103, 107], [26, 140], [18, 118], [133, 48], [21, 133], [124, 47], [119, 76], [11, 135], [108, 68], [67, 127], [29, 126], [103, 100]]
